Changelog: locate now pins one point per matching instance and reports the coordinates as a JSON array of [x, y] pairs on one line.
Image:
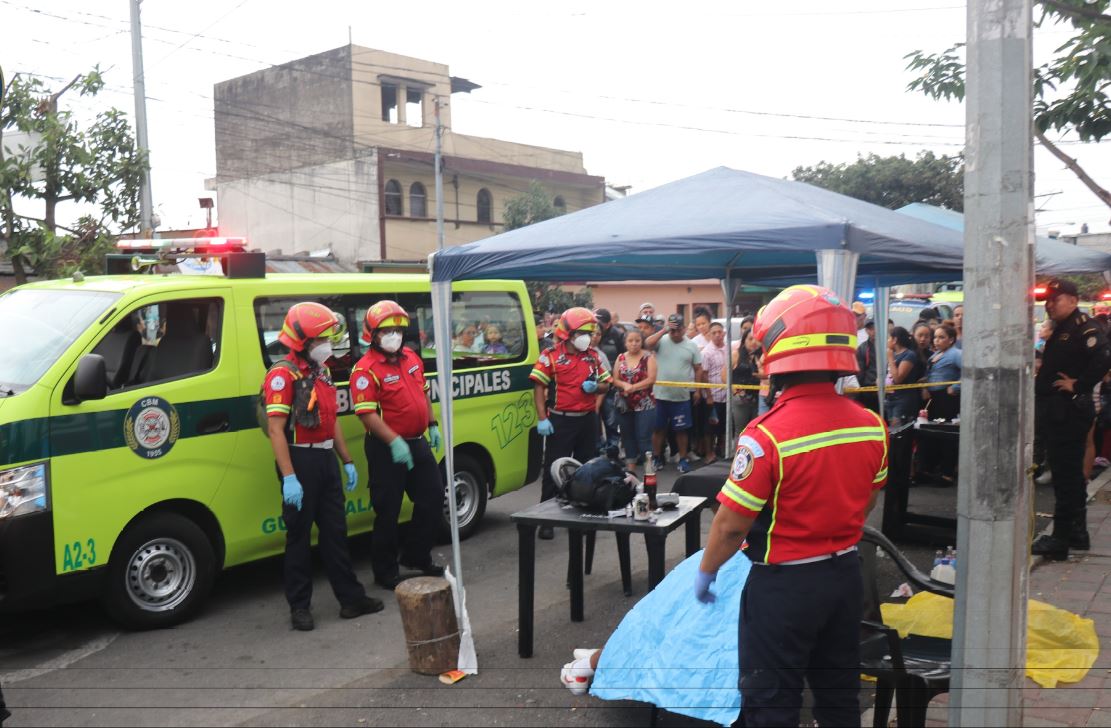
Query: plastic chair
[[913, 669]]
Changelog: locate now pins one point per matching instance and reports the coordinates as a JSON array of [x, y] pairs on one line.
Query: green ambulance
[[132, 465]]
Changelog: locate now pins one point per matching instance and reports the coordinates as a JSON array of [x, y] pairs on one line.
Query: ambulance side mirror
[[91, 379]]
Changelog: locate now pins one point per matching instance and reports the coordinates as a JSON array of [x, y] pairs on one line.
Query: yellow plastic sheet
[[1060, 646]]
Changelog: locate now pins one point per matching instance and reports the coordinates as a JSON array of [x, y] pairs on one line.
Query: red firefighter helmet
[[382, 315], [575, 319], [807, 329], [311, 320]]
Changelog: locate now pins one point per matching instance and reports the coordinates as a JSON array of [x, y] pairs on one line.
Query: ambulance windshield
[[41, 325]]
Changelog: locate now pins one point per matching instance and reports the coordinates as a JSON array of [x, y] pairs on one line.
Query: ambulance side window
[[488, 329], [162, 341], [270, 314]]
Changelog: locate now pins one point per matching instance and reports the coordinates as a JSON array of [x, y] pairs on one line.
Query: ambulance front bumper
[[27, 575]]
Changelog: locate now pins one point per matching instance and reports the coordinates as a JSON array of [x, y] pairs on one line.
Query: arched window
[[393, 198], [485, 205], [559, 204], [418, 200]]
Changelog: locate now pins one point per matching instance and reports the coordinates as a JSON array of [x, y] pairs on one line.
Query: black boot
[[1051, 547], [1078, 535]]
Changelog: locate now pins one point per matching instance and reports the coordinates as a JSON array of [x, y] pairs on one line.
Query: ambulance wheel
[[160, 572], [471, 492]]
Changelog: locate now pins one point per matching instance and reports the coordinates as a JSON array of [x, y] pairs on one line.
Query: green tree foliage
[[535, 206], [892, 182], [1070, 91], [95, 166], [532, 207]]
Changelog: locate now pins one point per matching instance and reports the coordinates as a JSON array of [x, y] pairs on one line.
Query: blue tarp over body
[[766, 229], [1051, 257]]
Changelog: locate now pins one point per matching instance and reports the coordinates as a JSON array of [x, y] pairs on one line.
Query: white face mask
[[321, 353], [390, 342], [581, 342]]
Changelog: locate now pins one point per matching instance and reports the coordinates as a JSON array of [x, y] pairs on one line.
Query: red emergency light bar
[[192, 245], [1039, 293], [1105, 296]]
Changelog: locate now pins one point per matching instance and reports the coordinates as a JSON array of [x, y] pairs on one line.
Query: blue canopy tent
[[703, 226], [723, 224], [1051, 257]]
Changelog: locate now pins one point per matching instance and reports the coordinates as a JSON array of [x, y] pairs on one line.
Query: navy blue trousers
[[801, 623]]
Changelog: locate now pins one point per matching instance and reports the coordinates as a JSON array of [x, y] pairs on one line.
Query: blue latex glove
[[399, 451], [545, 427], [590, 386], [292, 492], [352, 476], [702, 584], [434, 437]]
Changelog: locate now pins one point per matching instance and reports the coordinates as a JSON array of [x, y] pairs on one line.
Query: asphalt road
[[238, 663]]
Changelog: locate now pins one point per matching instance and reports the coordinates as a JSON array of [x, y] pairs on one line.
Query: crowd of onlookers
[[641, 416], [648, 419]]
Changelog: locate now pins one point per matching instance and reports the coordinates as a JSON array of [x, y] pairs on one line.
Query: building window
[[393, 198], [559, 205], [418, 200], [414, 107], [389, 103], [485, 205]]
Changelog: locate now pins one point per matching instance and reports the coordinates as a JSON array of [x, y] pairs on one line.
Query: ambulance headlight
[[23, 490]]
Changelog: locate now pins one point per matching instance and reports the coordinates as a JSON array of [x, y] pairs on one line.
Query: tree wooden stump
[[428, 618]]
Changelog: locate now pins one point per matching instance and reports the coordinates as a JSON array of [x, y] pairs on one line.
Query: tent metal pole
[[880, 305], [441, 316], [837, 271], [728, 291]]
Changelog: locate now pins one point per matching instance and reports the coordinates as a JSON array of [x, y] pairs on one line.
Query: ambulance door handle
[[213, 423]]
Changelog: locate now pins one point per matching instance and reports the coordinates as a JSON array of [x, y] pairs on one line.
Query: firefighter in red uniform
[[576, 370], [390, 396], [805, 476], [306, 437]]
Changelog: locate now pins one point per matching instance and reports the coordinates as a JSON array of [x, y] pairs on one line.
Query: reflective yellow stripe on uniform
[[775, 495], [537, 374], [366, 407], [806, 341], [280, 408], [844, 436], [742, 497], [882, 474]]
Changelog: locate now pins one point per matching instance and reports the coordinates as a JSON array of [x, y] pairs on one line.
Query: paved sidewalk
[[1080, 585]]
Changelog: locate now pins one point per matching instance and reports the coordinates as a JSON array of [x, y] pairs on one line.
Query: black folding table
[[579, 524]]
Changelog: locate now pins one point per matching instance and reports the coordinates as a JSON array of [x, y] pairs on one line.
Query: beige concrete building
[[335, 152], [682, 297]]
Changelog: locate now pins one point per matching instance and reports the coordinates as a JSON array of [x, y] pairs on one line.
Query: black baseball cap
[[1057, 287], [648, 321], [675, 318], [603, 315]]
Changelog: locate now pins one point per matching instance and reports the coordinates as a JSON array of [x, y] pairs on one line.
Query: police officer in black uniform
[[1075, 359]]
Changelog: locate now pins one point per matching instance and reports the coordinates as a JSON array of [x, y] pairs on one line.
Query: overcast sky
[[648, 92]]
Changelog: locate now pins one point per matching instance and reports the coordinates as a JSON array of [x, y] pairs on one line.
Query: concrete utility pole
[[439, 162], [994, 497], [145, 205]]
